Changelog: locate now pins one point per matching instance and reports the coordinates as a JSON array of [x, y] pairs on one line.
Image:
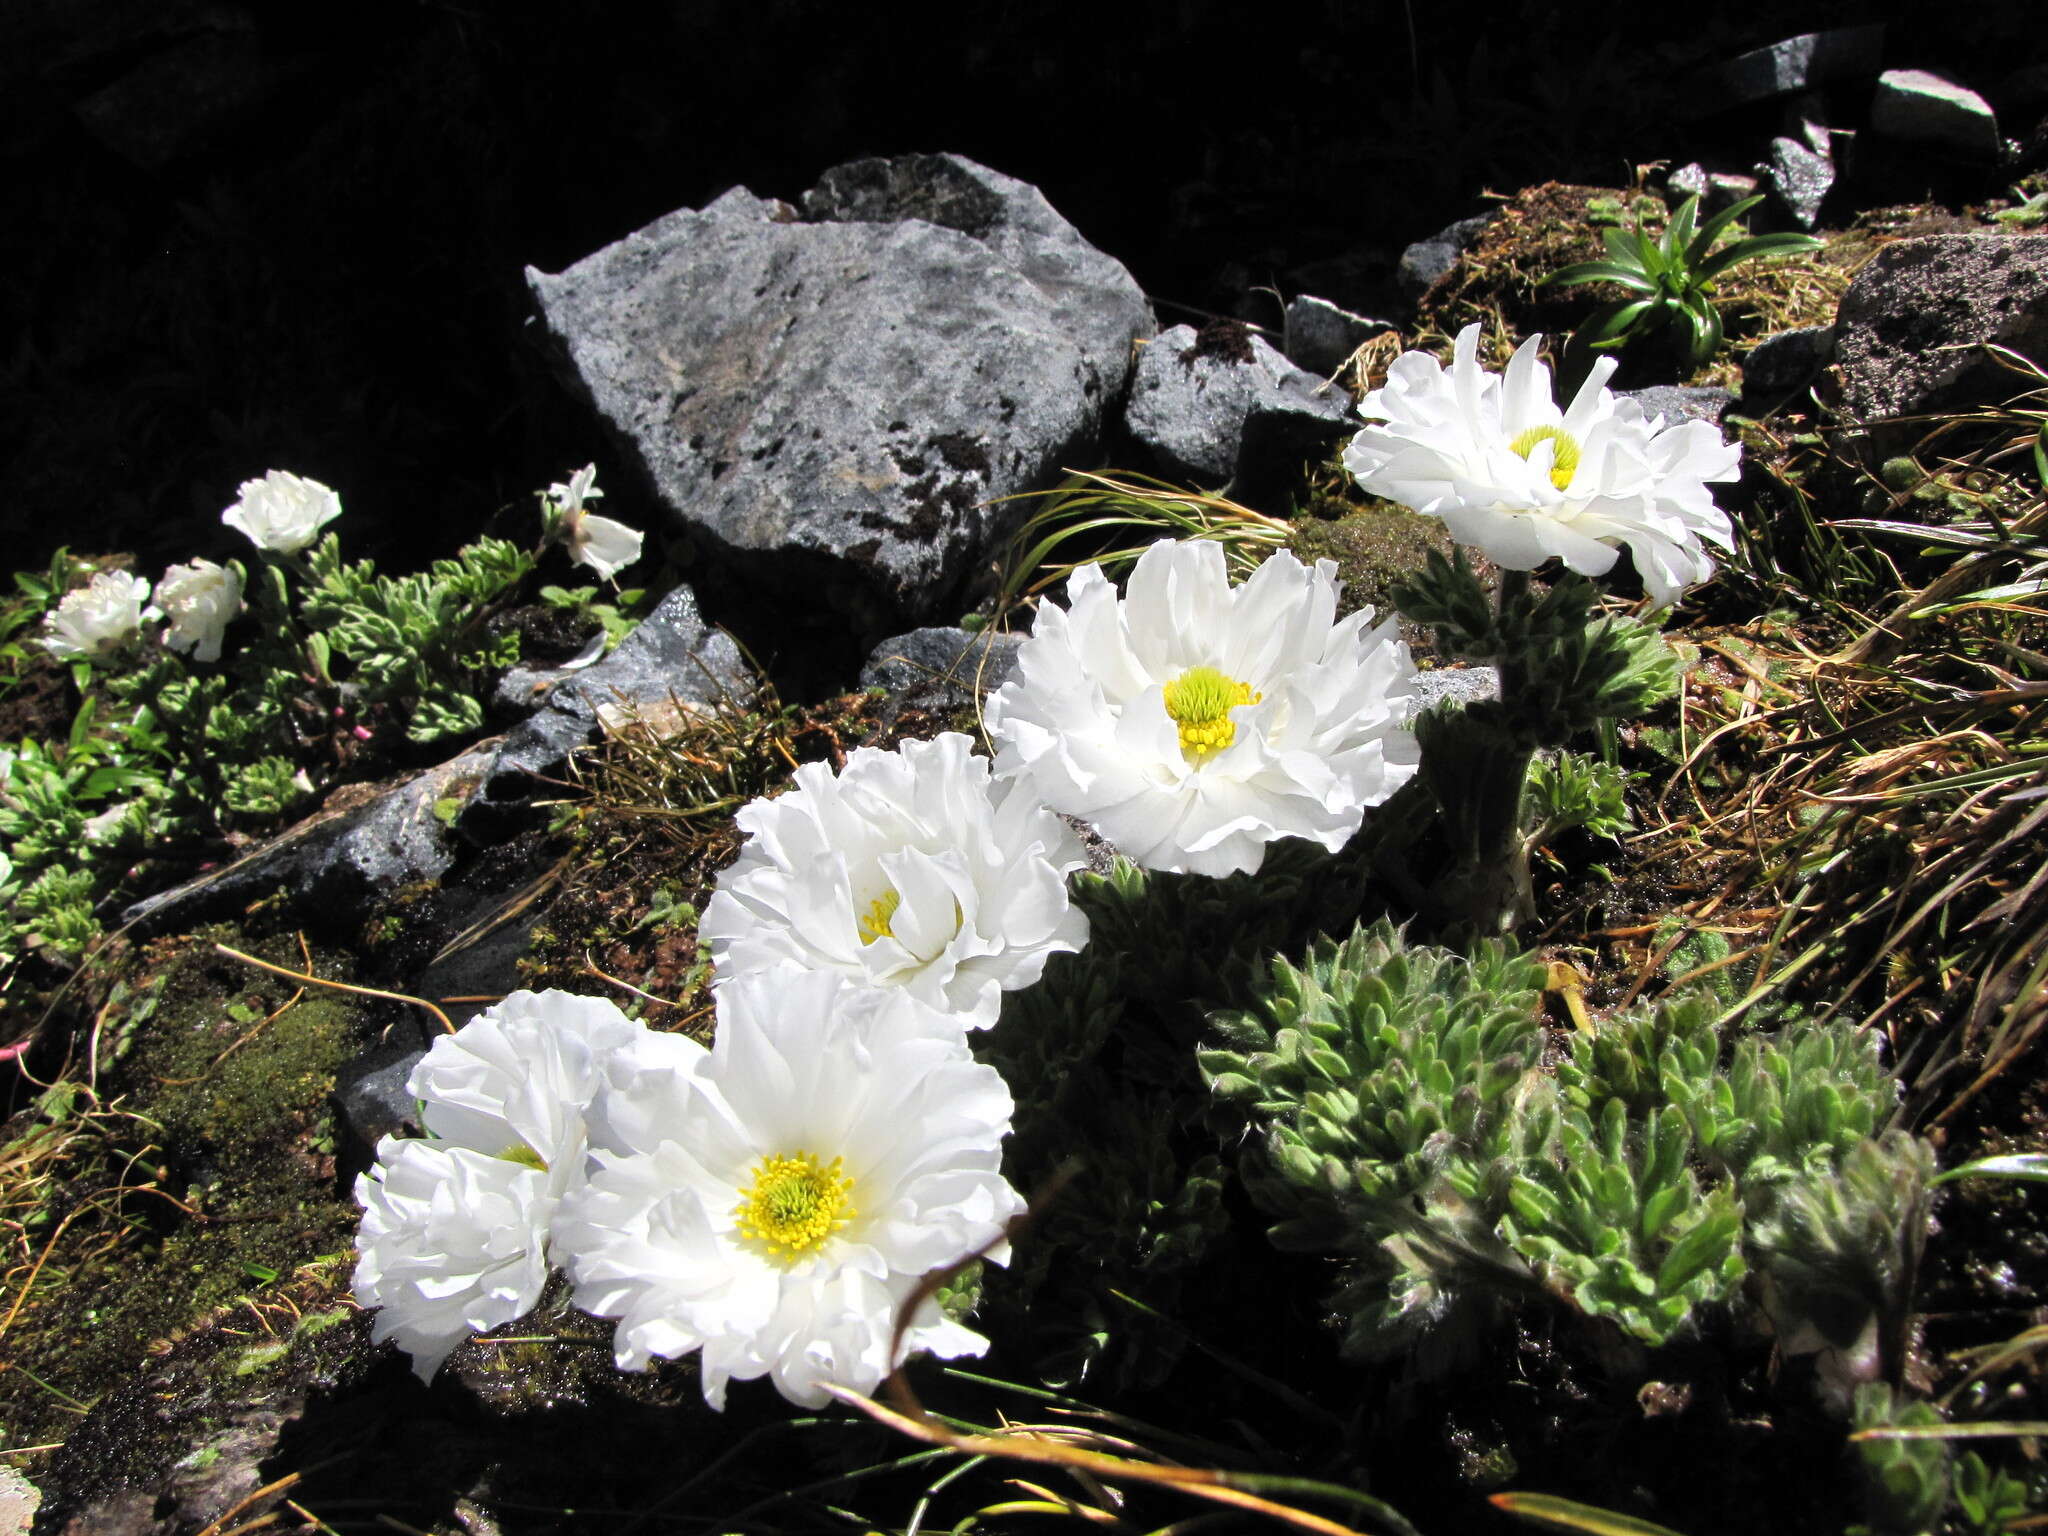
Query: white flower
[[99, 618], [1193, 723], [774, 1201], [601, 543], [455, 1231], [199, 599], [282, 512], [910, 870], [1522, 481]]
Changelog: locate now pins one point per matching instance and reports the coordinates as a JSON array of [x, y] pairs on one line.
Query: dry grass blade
[[1098, 512]]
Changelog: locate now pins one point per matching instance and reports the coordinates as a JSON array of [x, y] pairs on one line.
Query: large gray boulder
[[1909, 332], [1786, 68], [826, 402], [1923, 107]]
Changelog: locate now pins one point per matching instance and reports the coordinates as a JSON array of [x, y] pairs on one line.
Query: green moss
[[1374, 546], [220, 1111]]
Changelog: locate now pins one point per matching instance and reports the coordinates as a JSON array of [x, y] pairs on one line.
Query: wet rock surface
[[942, 668], [827, 403]]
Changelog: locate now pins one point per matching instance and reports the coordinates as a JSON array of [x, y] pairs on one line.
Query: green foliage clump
[[1670, 279], [1403, 1118]]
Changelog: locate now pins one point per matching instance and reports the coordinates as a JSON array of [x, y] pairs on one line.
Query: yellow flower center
[[519, 1152], [794, 1204], [1564, 454], [874, 923], [1200, 701]]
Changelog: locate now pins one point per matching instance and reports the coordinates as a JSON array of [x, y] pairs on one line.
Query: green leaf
[[1570, 1515], [1684, 221], [1622, 248], [1756, 248], [1703, 242], [1599, 272], [2030, 1166], [1611, 325]]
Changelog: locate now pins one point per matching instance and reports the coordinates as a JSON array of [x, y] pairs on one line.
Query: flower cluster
[[774, 1203], [771, 1202]]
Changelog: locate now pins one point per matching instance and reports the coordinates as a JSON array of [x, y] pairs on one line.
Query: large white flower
[[455, 1230], [602, 543], [774, 1201], [1521, 480], [200, 599], [909, 869], [282, 512], [1193, 723], [99, 618]]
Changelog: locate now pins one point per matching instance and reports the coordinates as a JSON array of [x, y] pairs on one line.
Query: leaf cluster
[[1402, 1117], [1670, 278]]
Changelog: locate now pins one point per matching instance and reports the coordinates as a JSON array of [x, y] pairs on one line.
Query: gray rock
[[1320, 336], [830, 405], [943, 668], [1427, 260], [1907, 331], [370, 841], [1922, 107], [1788, 67], [1682, 402], [1799, 180], [1787, 361], [1715, 189], [673, 655], [371, 1095], [1454, 685], [1194, 394]]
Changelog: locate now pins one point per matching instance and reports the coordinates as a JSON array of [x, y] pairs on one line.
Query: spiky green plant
[[1670, 278]]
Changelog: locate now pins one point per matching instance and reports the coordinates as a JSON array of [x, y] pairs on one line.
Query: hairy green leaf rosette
[[1192, 723], [774, 1201], [908, 870], [1523, 481]]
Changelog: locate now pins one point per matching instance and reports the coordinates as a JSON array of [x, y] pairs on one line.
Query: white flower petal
[[99, 619], [1087, 726], [282, 512], [1478, 451]]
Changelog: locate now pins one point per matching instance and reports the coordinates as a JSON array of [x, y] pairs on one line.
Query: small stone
[[1727, 188], [1682, 402], [1922, 107], [371, 1095], [1454, 685], [1193, 395], [1427, 260], [1787, 361], [1320, 336], [942, 668], [1689, 180], [1799, 179]]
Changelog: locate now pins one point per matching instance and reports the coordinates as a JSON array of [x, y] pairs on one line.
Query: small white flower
[[282, 512], [1193, 723], [1521, 480], [200, 599], [909, 869], [774, 1201], [98, 619], [455, 1231], [603, 544]]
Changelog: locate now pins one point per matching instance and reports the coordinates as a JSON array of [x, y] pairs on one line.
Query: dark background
[[237, 238]]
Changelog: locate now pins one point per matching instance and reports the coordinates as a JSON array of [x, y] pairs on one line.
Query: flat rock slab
[[1682, 402], [827, 401], [942, 668], [1787, 67], [1908, 332]]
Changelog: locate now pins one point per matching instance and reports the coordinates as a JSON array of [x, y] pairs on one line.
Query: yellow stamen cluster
[[794, 1204], [1564, 453], [1200, 701], [874, 923]]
